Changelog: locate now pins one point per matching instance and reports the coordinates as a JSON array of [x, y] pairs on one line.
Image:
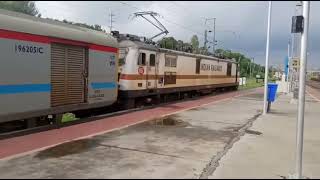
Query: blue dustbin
[[272, 92]]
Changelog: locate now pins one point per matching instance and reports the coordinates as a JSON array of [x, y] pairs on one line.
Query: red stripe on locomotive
[[47, 40]]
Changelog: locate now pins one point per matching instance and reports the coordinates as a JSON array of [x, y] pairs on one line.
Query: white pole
[[110, 21], [301, 102], [214, 35], [267, 62], [288, 67], [292, 46], [289, 48]]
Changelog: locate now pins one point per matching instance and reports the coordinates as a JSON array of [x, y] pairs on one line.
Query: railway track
[[23, 132]]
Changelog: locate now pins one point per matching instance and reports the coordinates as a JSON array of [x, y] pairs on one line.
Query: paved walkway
[[34, 142], [272, 153], [186, 144]]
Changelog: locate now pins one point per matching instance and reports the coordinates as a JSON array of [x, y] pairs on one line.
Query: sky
[[241, 26]]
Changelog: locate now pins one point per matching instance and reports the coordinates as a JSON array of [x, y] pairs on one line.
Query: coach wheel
[[32, 122], [140, 102], [157, 99], [129, 104], [82, 114]]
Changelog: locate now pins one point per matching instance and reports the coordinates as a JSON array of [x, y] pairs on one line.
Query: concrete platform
[[272, 153], [21, 145], [186, 144]]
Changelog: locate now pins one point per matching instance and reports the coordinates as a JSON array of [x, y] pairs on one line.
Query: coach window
[[173, 62], [198, 66], [167, 62], [142, 59], [229, 67], [152, 59], [170, 61]]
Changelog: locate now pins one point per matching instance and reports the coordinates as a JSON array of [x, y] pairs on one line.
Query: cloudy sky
[[240, 26]]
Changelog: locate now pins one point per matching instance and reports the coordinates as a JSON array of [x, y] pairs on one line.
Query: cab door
[[151, 81]]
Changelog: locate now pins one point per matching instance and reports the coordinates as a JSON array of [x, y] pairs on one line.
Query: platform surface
[[271, 155], [181, 145]]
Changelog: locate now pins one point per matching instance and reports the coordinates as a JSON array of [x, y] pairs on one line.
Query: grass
[[68, 117], [251, 83]]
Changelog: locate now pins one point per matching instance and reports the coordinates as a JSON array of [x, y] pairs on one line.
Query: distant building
[[278, 74], [295, 63], [313, 74]]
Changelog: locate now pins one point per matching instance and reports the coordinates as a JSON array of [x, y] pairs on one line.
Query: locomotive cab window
[[122, 56], [142, 59], [229, 67], [167, 62], [152, 61]]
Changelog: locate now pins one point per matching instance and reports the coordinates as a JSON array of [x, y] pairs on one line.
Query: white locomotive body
[[147, 71]]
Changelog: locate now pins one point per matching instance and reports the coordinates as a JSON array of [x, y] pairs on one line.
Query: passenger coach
[[49, 68]]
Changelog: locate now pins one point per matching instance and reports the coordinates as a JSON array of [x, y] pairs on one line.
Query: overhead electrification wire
[[169, 21]]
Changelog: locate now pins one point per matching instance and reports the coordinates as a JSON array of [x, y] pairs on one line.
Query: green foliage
[[192, 47], [245, 62], [26, 7], [68, 117], [202, 50], [314, 79], [172, 43], [195, 43], [84, 25], [29, 7], [168, 43], [251, 83], [93, 27]]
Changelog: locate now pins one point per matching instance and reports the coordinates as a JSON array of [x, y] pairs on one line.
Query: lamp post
[[267, 61], [302, 86]]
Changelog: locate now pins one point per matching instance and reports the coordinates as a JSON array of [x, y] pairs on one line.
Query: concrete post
[[267, 61], [301, 102]]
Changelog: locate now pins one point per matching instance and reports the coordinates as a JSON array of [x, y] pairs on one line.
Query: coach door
[[151, 71], [68, 74]]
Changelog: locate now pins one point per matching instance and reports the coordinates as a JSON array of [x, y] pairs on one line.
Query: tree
[[168, 43], [26, 7], [29, 7], [180, 45], [203, 50], [219, 52], [187, 47], [244, 63], [195, 43], [94, 27]]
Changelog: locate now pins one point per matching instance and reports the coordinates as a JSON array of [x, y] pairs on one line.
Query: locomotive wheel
[[129, 104], [32, 122], [82, 114]]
